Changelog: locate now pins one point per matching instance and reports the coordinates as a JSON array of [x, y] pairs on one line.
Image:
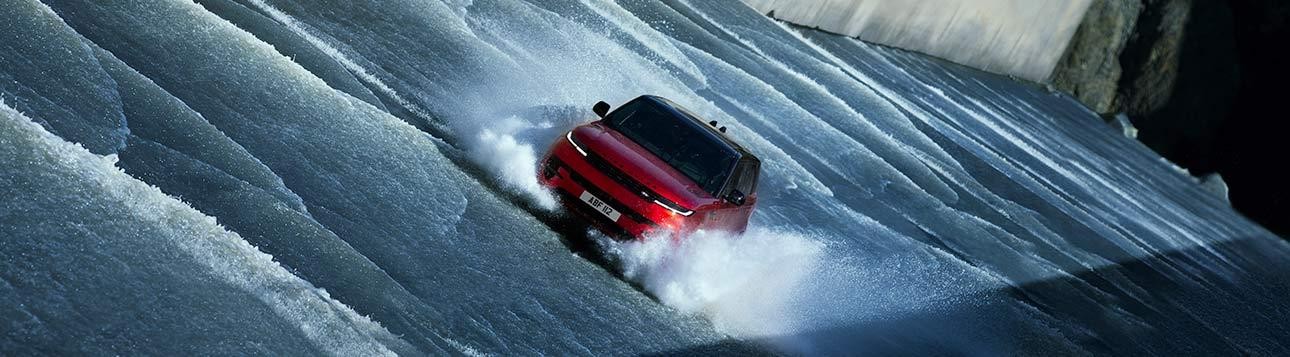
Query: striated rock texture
[[1152, 55], [1169, 65], [1090, 69], [1184, 80], [1129, 56], [1125, 57]]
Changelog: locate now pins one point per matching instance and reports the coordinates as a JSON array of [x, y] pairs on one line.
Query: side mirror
[[736, 197], [601, 108]]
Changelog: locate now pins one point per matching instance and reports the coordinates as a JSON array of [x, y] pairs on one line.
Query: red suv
[[651, 165]]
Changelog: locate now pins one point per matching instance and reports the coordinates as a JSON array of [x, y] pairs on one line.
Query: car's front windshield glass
[[679, 141]]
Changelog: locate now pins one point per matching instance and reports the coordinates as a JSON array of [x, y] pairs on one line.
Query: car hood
[[639, 163]]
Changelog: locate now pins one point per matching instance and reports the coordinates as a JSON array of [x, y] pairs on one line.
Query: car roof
[[678, 110]]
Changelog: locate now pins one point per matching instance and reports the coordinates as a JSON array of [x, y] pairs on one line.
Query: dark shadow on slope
[[1216, 309], [727, 347]]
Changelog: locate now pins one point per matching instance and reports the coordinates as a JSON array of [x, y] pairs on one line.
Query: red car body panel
[[638, 162], [637, 184]]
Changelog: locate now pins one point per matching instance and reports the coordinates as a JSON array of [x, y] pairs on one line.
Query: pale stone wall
[[1023, 38]]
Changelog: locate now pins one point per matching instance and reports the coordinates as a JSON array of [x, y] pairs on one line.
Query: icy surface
[[386, 151], [74, 223]]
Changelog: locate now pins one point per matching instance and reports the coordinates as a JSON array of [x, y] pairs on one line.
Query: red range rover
[[651, 165]]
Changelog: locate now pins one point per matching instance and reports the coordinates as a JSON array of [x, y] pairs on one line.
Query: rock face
[[1090, 69], [1125, 55], [1185, 83], [1204, 82], [1151, 56], [1169, 65]]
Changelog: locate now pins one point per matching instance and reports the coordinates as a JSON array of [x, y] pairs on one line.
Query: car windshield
[[679, 141]]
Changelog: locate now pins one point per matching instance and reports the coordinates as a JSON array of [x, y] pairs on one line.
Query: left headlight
[[575, 143]]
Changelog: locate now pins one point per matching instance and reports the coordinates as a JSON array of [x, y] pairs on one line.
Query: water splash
[[512, 161], [744, 284]]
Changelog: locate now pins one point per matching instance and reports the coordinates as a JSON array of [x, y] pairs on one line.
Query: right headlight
[[674, 208]]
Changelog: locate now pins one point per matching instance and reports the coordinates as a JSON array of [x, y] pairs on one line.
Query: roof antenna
[[713, 123], [722, 130]]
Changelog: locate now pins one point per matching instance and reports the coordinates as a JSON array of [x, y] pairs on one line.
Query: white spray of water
[[512, 160], [744, 284]]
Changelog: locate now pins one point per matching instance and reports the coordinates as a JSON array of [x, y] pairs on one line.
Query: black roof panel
[[678, 110]]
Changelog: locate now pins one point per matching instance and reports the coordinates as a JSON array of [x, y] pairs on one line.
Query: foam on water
[[744, 283]]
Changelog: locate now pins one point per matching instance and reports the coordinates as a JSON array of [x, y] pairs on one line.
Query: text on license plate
[[600, 206]]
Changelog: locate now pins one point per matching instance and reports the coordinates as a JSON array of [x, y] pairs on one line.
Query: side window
[[745, 177], [736, 178], [748, 172]]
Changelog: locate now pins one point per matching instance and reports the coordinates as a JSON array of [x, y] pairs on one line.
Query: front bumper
[[569, 175]]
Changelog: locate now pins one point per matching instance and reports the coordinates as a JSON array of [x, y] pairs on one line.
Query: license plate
[[600, 206]]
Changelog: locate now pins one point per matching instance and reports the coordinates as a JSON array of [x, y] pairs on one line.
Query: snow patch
[[1214, 183], [1122, 122]]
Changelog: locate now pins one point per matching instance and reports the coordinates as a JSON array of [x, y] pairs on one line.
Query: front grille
[[626, 180], [601, 194]]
